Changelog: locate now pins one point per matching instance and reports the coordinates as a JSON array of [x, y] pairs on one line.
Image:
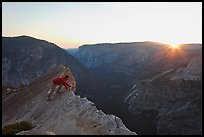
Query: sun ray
[[175, 46]]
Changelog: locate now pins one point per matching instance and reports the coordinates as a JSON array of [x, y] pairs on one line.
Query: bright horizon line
[[93, 43], [72, 24]]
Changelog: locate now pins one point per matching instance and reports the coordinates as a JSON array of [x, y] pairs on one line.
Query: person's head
[[66, 77]]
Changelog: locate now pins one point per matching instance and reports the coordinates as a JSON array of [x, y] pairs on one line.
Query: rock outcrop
[[66, 114], [35, 132], [193, 71], [173, 106]]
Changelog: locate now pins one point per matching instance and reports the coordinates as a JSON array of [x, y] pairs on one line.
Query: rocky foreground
[[66, 114]]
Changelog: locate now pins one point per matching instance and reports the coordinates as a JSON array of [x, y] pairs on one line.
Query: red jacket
[[61, 80]]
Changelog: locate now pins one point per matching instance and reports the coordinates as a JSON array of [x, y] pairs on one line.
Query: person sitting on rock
[[59, 81]]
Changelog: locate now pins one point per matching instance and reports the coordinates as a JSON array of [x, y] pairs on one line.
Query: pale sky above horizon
[[72, 24]]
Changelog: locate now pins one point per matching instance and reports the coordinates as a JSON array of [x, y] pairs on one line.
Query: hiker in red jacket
[[59, 81]]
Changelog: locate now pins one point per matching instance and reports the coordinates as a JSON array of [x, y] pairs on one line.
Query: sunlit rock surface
[[66, 114]]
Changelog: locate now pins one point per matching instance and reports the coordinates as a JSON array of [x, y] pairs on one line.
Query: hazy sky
[[72, 24]]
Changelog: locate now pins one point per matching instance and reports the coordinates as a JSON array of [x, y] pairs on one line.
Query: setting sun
[[104, 22], [175, 46]]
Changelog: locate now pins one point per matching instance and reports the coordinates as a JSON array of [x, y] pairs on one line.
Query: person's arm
[[66, 84]]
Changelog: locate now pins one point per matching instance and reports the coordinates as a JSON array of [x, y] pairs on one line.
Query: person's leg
[[51, 91], [58, 90]]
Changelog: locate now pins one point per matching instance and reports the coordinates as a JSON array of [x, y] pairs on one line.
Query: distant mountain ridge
[[72, 51], [116, 70], [25, 58], [191, 46]]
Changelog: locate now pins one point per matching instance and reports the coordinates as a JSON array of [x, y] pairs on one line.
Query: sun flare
[[174, 46]]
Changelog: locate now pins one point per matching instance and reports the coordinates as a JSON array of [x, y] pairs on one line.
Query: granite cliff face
[[66, 114], [25, 58], [173, 100], [193, 71], [115, 66], [148, 81], [101, 55]]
